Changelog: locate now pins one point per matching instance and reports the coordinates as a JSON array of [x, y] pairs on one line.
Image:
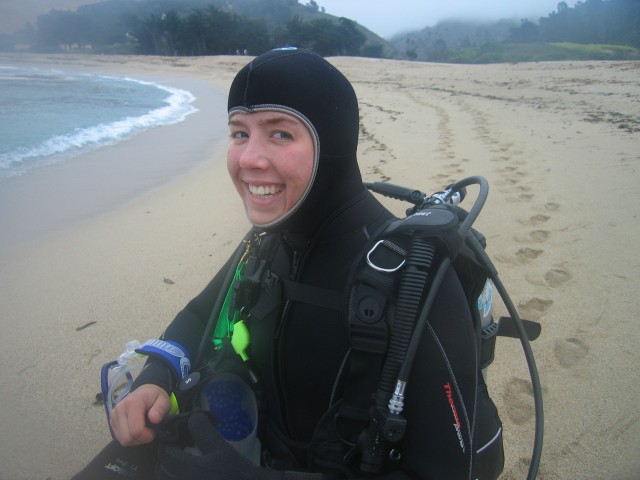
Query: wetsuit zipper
[[297, 257]]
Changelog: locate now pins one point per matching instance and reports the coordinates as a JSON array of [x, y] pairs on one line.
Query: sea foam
[[173, 109]]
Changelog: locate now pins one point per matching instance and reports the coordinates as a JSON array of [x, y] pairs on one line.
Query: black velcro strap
[[508, 328], [315, 296]]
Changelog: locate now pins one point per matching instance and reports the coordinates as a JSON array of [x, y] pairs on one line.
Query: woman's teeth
[[263, 191]]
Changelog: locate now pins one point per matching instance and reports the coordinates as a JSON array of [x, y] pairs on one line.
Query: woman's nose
[[253, 154]]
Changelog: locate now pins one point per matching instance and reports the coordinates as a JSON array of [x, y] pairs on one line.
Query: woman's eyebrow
[[266, 121], [234, 122], [278, 120]]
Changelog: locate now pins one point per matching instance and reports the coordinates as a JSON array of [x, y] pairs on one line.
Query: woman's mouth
[[264, 191]]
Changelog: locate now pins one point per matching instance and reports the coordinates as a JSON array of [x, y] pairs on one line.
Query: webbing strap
[[315, 296]]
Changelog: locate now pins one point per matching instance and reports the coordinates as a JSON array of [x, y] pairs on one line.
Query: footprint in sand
[[507, 169], [535, 220], [538, 219], [551, 206], [554, 278], [557, 277], [526, 197], [526, 254], [535, 236], [524, 188], [534, 308], [523, 256], [519, 404], [523, 197], [506, 181], [570, 351]]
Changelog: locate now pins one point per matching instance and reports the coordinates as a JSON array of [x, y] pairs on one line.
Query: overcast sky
[[388, 17]]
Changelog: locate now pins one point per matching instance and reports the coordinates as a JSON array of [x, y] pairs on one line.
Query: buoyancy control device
[[418, 250]]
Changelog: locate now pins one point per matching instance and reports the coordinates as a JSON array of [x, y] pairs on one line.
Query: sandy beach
[[559, 144]]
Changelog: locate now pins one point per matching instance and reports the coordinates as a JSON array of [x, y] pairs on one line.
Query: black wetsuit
[[298, 354]]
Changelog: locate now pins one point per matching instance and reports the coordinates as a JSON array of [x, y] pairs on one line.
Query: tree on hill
[[206, 31], [615, 22], [203, 27], [323, 36], [434, 43], [63, 29]]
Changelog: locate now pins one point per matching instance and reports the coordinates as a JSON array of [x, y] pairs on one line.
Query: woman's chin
[[262, 217], [265, 210]]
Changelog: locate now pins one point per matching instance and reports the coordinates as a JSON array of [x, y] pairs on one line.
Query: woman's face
[[270, 159]]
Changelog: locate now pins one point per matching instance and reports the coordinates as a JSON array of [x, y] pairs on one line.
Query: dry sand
[[560, 146]]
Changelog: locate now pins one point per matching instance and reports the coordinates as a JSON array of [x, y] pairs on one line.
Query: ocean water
[[48, 116]]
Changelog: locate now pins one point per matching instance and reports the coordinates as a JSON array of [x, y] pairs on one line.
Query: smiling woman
[[271, 159], [276, 314]]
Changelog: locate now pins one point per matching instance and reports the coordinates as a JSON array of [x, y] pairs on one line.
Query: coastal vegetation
[[196, 27], [542, 52], [590, 30]]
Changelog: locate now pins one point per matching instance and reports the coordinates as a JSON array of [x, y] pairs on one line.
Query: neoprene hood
[[309, 87]]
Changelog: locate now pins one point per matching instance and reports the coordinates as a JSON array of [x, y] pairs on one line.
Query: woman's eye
[[283, 135], [239, 134]]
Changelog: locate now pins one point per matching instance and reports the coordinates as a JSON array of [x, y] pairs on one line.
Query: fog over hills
[[381, 17]]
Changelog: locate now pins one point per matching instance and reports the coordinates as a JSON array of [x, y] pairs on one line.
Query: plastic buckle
[[368, 330]]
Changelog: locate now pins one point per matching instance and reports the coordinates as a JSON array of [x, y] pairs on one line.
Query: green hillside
[[540, 52], [195, 27], [591, 30]]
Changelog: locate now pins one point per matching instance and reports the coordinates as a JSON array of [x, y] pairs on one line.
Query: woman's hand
[[129, 417]]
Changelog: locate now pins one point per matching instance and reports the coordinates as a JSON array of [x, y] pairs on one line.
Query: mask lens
[[116, 382]]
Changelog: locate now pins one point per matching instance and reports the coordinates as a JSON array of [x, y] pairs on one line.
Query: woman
[[294, 126]]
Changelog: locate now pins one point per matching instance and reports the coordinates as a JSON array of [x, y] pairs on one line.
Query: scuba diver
[[294, 316]]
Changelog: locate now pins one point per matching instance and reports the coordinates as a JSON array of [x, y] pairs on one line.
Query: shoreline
[[558, 143], [55, 197]]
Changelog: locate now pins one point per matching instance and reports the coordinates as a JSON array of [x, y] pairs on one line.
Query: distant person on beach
[[272, 317]]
